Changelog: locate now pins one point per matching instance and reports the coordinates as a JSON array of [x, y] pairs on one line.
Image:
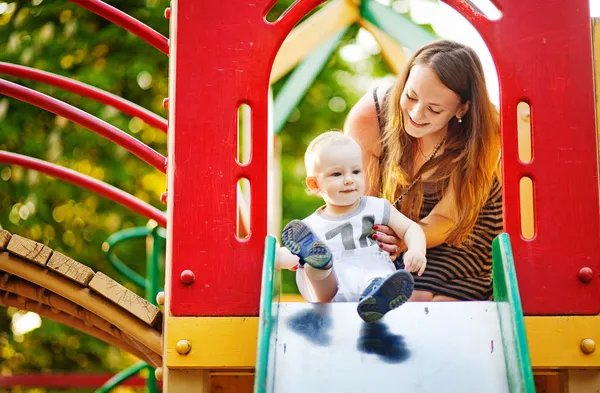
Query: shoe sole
[[398, 287], [299, 239]]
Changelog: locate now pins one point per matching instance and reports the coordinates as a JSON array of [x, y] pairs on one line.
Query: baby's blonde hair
[[320, 143]]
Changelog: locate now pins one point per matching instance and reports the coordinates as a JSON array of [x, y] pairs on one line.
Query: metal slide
[[452, 347]]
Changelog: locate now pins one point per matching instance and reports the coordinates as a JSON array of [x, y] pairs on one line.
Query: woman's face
[[427, 104]]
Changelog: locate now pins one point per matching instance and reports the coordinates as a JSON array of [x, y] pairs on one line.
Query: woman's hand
[[388, 241]]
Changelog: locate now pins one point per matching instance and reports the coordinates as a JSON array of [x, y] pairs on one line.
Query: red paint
[[127, 22], [163, 198], [89, 183], [165, 103], [187, 277], [66, 381], [86, 91], [549, 66], [168, 13], [221, 57], [585, 275], [86, 120]]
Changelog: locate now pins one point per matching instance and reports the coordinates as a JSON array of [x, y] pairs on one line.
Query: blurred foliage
[[62, 38]]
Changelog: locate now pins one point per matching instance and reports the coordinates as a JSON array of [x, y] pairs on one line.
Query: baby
[[337, 237]]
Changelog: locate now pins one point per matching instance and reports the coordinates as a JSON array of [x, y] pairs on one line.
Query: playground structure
[[210, 328]]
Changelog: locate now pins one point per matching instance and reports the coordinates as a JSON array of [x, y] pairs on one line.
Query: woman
[[431, 144]]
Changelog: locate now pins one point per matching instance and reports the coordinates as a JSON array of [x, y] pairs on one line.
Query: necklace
[[418, 178]]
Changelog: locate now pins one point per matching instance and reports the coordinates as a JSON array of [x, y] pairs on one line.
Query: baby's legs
[[317, 285]]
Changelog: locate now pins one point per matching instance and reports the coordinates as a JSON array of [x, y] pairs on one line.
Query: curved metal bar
[[117, 379], [118, 237], [88, 121], [85, 90], [127, 22], [96, 186]]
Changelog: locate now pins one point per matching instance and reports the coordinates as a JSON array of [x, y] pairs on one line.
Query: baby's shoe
[[383, 295], [299, 239]]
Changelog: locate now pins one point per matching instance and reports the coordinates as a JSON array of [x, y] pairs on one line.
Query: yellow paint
[[291, 298], [216, 342], [391, 51], [310, 34], [555, 342]]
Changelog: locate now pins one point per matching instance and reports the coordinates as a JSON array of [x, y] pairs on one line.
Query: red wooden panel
[[542, 52], [220, 57], [66, 381]]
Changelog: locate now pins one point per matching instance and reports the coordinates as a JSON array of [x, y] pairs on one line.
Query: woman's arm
[[362, 125], [436, 226]]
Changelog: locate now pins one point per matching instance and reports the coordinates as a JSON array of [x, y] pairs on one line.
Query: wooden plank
[[550, 381], [125, 298], [185, 381], [584, 381], [70, 268], [29, 249], [232, 383], [4, 239], [313, 32]]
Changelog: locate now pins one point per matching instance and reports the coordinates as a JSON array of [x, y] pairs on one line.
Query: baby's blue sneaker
[[299, 239], [383, 295]]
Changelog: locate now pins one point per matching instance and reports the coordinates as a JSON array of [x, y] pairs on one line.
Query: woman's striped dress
[[464, 273]]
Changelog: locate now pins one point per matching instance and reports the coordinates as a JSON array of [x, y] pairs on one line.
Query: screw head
[[165, 103], [588, 346], [163, 198], [585, 275], [183, 347], [160, 298], [158, 373], [168, 13], [187, 277]]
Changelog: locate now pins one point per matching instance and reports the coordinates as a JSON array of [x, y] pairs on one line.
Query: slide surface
[[450, 347]]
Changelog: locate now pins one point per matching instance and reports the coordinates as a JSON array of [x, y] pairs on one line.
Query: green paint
[[301, 79], [512, 324], [401, 28], [150, 284], [267, 325], [122, 376]]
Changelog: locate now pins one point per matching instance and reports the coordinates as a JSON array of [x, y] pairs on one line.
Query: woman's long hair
[[471, 150]]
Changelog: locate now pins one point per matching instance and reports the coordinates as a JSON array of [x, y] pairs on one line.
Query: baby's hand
[[415, 261]]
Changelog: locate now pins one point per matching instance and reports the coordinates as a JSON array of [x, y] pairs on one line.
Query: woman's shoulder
[[363, 120]]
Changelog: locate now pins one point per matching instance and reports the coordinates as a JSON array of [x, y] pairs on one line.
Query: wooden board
[[125, 298], [29, 249], [4, 239], [70, 268]]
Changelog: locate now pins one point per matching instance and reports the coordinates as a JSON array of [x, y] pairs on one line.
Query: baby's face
[[339, 174]]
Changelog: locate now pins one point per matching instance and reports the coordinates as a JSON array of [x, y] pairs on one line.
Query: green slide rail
[[512, 324]]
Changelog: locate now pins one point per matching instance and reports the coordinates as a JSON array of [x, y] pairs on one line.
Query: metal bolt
[[160, 298], [166, 103], [158, 373], [187, 277], [587, 346], [183, 347], [585, 275], [163, 198], [168, 12]]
